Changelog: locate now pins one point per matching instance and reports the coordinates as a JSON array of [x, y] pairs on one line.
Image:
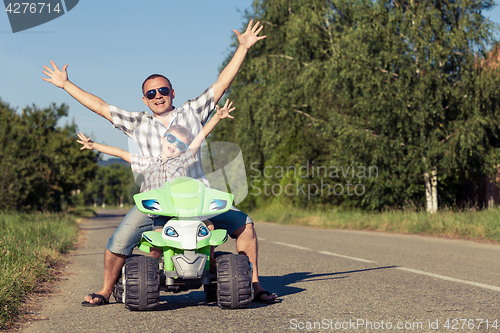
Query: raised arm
[[246, 40], [113, 151], [60, 79], [221, 113]]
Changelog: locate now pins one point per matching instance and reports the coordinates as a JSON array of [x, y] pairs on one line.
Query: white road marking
[[447, 278], [346, 257], [294, 246], [410, 270]]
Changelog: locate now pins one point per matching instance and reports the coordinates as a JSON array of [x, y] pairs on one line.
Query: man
[[147, 131]]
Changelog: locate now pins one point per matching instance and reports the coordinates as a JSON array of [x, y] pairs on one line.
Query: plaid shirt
[[156, 172], [146, 131]]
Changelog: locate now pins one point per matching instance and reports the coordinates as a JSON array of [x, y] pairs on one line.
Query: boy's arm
[[114, 151], [60, 79], [246, 40], [221, 113]]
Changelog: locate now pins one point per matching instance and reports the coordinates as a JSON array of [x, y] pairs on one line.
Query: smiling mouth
[[160, 103]]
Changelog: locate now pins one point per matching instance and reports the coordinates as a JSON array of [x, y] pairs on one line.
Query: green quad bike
[[185, 242]]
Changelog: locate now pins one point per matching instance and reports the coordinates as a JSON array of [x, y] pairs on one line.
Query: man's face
[[159, 104], [169, 149]]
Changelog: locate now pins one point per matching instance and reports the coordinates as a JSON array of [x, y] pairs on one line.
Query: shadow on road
[[282, 285]]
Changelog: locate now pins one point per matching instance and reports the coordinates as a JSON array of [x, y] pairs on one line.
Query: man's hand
[[250, 37], [56, 77], [225, 111], [85, 142]]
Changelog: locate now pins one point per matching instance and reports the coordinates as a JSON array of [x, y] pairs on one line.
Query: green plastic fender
[[184, 197], [155, 239]]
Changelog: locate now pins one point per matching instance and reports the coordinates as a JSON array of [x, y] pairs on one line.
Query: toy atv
[[185, 242]]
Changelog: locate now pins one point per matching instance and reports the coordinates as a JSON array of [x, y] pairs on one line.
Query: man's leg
[[120, 245], [113, 264], [240, 226], [246, 243]]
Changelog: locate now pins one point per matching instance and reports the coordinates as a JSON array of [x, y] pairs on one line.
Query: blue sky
[[112, 46]]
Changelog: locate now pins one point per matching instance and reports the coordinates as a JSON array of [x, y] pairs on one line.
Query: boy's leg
[[155, 251], [120, 245], [158, 224], [211, 227], [240, 226]]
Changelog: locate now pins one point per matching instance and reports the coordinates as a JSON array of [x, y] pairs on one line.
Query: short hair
[[183, 131], [154, 76]]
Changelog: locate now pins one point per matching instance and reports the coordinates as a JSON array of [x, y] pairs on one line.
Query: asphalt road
[[327, 280]]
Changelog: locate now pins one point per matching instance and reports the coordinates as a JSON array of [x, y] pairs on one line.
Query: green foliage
[[41, 163], [30, 245], [113, 185], [463, 224], [348, 85]]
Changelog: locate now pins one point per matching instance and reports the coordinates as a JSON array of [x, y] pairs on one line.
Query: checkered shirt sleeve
[[140, 163], [201, 106]]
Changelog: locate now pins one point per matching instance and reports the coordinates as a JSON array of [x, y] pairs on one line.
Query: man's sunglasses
[[180, 145], [150, 94]]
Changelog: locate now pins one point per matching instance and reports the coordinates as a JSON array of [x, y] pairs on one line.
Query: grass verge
[[466, 224], [30, 245]]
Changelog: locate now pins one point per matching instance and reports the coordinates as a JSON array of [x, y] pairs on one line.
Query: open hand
[[85, 142], [225, 111], [250, 37], [56, 77]]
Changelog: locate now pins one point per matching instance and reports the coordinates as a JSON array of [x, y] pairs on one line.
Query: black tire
[[211, 289], [234, 281], [118, 291], [142, 283]]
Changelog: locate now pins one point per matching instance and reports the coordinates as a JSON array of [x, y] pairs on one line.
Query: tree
[[348, 85], [113, 185], [41, 163]]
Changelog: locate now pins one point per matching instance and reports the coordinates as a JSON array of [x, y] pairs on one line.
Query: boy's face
[[170, 149], [159, 104]]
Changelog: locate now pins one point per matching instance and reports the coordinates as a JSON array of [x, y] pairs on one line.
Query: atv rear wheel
[[234, 281], [141, 283]]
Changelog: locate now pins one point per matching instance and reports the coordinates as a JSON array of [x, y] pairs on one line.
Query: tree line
[[397, 86], [42, 167]]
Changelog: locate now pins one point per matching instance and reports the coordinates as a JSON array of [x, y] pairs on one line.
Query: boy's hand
[[56, 77], [86, 142], [225, 111], [250, 37]]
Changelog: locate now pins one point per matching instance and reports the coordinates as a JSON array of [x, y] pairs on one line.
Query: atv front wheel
[[118, 291], [141, 283], [234, 281]]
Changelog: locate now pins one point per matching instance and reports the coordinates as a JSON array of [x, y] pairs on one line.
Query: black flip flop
[[257, 298], [102, 300]]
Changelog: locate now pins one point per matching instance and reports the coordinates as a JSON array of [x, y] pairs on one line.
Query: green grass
[[30, 245], [466, 224]]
